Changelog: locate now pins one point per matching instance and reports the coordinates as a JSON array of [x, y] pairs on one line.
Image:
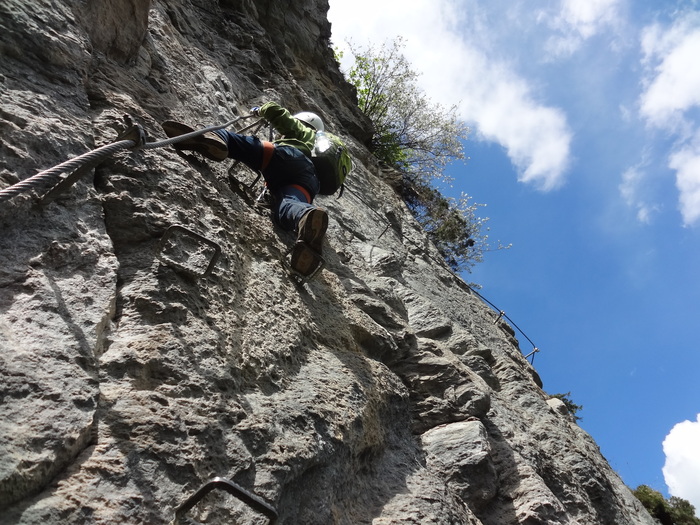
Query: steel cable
[[192, 134], [42, 178]]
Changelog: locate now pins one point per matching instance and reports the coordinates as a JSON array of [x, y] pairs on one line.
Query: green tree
[[411, 133], [683, 511], [419, 139], [452, 224], [675, 511], [572, 407]]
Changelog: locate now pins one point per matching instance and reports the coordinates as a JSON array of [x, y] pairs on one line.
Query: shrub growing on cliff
[[572, 407], [410, 132], [419, 139], [674, 511], [452, 224]]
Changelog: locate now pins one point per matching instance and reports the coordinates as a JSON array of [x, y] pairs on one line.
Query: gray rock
[[126, 382], [558, 406], [460, 453], [425, 318], [479, 366]]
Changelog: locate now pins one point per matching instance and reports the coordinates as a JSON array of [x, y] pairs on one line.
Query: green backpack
[[332, 162]]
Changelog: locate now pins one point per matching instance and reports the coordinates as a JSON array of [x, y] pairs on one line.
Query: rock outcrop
[[383, 391]]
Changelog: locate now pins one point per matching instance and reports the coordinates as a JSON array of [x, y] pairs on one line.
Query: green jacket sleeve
[[294, 132]]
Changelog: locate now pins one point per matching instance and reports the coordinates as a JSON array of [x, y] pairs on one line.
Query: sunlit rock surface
[[383, 391]]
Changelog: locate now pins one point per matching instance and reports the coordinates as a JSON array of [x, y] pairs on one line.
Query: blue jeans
[[287, 167]]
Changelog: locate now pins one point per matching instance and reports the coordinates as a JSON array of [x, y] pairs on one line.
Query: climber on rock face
[[286, 167]]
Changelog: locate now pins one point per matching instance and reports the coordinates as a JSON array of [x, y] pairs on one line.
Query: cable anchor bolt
[[133, 132]]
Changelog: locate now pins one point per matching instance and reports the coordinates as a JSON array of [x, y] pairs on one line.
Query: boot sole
[[211, 148], [304, 260], [314, 229]]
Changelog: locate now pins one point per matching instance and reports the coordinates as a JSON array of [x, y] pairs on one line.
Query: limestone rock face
[[383, 391]]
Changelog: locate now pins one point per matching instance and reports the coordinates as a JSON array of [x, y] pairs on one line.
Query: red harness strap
[[268, 150], [306, 193]]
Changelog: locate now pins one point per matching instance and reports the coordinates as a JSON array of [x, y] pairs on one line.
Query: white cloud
[[536, 138], [576, 21], [686, 162], [682, 467], [675, 86], [457, 66], [671, 100], [633, 191], [587, 18]]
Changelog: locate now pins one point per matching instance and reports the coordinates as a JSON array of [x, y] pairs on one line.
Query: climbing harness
[[192, 254], [250, 499]]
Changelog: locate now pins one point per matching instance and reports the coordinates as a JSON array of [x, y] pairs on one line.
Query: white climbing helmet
[[311, 119]]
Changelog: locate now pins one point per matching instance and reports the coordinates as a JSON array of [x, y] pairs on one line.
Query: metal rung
[[205, 253], [256, 127], [257, 178], [250, 499]]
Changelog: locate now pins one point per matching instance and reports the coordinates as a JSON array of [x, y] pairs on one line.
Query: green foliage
[[674, 511], [570, 405], [452, 224], [410, 132], [419, 139]]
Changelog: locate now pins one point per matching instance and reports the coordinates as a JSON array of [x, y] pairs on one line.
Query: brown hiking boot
[[210, 145], [305, 261], [312, 228], [306, 254]]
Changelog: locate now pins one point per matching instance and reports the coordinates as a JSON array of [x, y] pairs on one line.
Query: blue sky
[[585, 148]]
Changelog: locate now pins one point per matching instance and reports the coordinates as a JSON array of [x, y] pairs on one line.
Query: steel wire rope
[[370, 207], [41, 178], [192, 134], [502, 313]]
